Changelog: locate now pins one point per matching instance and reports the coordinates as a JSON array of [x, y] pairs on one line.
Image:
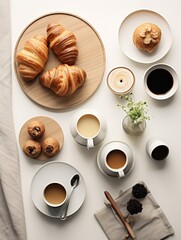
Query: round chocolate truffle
[[139, 191], [134, 206]]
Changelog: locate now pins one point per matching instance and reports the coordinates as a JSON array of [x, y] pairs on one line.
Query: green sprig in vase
[[134, 122]]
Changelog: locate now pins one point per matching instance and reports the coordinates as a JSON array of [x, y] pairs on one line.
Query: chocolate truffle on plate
[[147, 36], [36, 129], [50, 146], [32, 148]]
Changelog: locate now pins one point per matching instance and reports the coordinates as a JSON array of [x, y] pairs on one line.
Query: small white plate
[[56, 171], [127, 28]]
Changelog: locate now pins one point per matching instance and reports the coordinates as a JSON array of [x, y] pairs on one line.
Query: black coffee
[[160, 152], [159, 81]]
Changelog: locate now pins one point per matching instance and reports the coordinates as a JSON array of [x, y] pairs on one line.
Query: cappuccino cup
[[88, 128], [115, 159], [54, 194], [157, 149]]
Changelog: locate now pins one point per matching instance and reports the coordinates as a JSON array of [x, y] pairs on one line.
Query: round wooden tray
[[52, 129], [91, 58]]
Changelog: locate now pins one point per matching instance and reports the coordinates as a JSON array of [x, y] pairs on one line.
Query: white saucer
[[127, 28], [129, 167], [56, 171]]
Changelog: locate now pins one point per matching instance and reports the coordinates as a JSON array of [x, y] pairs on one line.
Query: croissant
[[33, 57], [64, 80], [62, 43]]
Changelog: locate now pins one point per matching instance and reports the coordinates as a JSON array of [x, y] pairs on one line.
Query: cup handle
[[90, 143], [121, 174]]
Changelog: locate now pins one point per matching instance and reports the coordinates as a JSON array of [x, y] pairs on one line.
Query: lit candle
[[121, 80]]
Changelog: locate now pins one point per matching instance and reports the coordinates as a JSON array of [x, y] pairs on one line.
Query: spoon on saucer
[[74, 183]]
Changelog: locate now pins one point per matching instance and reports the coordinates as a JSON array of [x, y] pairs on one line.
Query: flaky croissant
[[64, 80], [62, 43], [33, 57]]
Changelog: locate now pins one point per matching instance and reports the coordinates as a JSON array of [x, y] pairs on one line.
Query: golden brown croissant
[[33, 57], [64, 80], [62, 43]]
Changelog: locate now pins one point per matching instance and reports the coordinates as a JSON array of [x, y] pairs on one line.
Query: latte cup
[[115, 159], [54, 194], [157, 149], [88, 128]]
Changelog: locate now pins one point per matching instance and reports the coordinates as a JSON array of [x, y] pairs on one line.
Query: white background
[[163, 178]]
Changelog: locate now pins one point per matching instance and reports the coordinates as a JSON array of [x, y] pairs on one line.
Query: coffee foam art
[[121, 80]]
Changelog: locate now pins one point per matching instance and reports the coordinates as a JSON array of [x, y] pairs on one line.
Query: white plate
[[127, 28], [56, 171]]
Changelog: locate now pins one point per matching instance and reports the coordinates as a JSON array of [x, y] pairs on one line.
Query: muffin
[[147, 36], [32, 148], [36, 129], [50, 146]]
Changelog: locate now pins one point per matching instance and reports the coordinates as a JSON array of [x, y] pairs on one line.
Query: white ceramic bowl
[[169, 93]]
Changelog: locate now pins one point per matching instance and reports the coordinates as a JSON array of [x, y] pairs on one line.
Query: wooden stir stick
[[119, 213]]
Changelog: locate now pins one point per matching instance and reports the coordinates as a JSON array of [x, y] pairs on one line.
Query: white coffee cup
[[88, 127], [157, 149], [121, 80], [54, 194], [161, 81], [115, 159]]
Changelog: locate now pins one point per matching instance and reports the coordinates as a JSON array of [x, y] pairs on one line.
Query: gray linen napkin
[[12, 222], [150, 224]]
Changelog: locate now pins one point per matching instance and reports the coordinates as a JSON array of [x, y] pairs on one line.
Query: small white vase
[[131, 128]]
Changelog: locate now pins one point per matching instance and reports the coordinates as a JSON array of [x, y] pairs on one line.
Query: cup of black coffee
[[157, 149], [161, 81]]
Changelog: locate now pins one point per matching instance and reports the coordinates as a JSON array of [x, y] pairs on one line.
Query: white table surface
[[163, 178]]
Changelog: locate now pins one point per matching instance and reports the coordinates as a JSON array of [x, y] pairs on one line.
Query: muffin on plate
[[147, 36], [36, 129], [50, 146], [32, 148]]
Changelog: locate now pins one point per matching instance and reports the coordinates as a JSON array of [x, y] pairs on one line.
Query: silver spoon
[[74, 183]]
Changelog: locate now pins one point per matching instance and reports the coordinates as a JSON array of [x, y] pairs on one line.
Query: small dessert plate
[[52, 129], [59, 172], [127, 28]]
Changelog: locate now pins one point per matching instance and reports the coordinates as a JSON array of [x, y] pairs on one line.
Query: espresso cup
[[115, 159], [54, 194], [88, 128], [157, 149], [161, 81]]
